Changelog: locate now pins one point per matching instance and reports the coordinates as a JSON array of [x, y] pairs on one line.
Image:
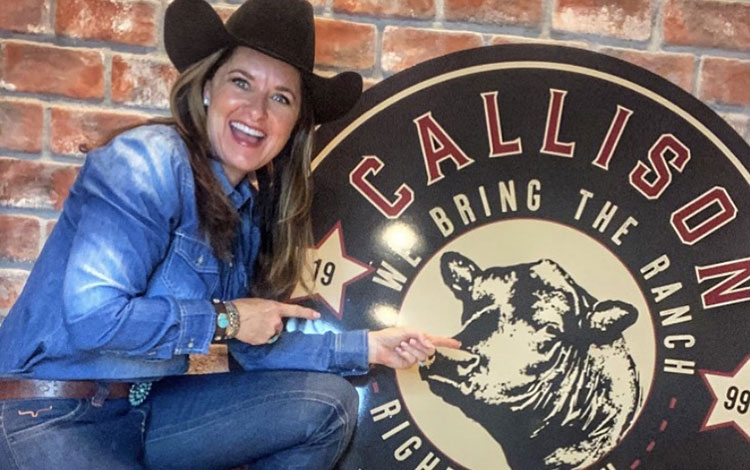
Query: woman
[[164, 246]]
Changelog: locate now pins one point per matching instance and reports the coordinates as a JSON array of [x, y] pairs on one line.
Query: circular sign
[[580, 225]]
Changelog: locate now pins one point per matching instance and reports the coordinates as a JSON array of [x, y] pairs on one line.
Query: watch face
[[580, 225]]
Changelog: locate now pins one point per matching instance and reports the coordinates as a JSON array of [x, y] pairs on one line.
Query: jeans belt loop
[[102, 392]]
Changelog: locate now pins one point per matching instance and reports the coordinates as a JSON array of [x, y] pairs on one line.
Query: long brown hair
[[285, 187]]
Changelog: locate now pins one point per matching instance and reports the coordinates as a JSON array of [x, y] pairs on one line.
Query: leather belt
[[25, 389]]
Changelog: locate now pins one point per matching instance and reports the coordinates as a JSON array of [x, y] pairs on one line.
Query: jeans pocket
[[27, 418], [73, 435]]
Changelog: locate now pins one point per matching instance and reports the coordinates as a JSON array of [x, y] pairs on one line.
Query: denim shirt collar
[[238, 195]]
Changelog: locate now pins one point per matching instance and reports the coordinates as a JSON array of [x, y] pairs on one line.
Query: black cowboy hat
[[283, 29]]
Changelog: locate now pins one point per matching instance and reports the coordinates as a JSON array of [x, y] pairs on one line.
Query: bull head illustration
[[543, 367]]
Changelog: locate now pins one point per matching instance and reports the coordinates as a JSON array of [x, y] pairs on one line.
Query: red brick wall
[[70, 70]]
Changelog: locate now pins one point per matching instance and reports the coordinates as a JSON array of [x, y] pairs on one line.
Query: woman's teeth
[[238, 126]]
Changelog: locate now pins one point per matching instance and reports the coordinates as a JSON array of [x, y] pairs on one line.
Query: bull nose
[[468, 364]]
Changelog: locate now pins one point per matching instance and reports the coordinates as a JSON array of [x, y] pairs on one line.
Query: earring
[[206, 101]]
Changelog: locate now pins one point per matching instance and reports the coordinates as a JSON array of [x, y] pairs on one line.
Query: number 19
[[326, 274]]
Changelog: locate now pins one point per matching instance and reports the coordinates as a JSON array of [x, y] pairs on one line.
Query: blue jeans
[[267, 420]]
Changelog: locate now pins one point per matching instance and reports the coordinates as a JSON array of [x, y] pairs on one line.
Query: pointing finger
[[298, 311], [424, 343], [443, 342]]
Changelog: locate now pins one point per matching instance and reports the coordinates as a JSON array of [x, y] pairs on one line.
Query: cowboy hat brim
[[193, 31]]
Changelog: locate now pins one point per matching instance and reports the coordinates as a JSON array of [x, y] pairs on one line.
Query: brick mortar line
[[93, 104], [657, 35], [76, 105], [42, 234], [378, 73], [68, 159], [72, 43], [548, 12], [440, 24], [365, 19], [16, 265], [160, 26], [20, 155], [726, 108], [439, 11], [714, 52], [602, 39], [41, 214], [107, 78], [46, 133], [521, 31], [698, 82], [52, 15]]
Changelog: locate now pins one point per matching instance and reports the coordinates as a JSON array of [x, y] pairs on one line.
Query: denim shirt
[[123, 287]]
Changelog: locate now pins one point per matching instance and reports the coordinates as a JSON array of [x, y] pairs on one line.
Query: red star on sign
[[731, 394], [330, 271]]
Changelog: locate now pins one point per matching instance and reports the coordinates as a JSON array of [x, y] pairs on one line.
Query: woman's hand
[[401, 348], [261, 319]]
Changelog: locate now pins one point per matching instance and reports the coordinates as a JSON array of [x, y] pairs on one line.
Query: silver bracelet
[[234, 319]]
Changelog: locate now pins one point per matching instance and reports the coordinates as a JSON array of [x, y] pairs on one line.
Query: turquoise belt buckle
[[139, 392]]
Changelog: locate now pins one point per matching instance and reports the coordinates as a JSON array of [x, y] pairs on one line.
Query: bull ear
[[458, 273], [608, 319]]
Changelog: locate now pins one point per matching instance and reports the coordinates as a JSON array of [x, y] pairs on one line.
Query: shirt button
[[231, 264], [200, 259], [191, 344]]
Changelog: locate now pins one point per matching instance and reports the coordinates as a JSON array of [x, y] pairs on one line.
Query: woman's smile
[[245, 134]]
